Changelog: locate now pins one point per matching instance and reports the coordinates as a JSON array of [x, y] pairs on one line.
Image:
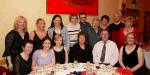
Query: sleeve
[[115, 55], [52, 54], [71, 54], [34, 57], [90, 56], [50, 31], [95, 55], [8, 43], [17, 66], [66, 38], [27, 36], [137, 33]]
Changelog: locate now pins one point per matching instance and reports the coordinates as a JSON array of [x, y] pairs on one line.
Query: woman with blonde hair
[[39, 34], [60, 52], [14, 40], [127, 29], [94, 31]]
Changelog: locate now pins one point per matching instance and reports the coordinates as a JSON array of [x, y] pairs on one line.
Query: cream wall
[[33, 9]]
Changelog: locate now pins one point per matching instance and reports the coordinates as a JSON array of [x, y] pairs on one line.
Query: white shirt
[[111, 54], [73, 31]]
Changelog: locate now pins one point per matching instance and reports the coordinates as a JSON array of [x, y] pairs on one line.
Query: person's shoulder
[[112, 24], [50, 28], [11, 33], [111, 42], [37, 52], [87, 23], [121, 23], [139, 49], [100, 42], [88, 46], [32, 33], [64, 28], [75, 45]]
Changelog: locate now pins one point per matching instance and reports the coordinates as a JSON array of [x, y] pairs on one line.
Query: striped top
[[73, 31]]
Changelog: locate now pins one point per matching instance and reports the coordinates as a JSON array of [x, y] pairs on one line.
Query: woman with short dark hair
[[24, 60], [81, 51]]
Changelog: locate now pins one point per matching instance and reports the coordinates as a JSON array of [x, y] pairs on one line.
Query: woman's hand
[[10, 66], [129, 68]]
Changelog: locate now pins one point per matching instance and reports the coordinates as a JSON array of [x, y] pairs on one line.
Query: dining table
[[82, 69]]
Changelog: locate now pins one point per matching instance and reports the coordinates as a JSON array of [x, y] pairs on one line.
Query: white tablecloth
[[80, 67]]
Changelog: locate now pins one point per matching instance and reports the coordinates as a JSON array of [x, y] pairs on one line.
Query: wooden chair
[[3, 61], [3, 69]]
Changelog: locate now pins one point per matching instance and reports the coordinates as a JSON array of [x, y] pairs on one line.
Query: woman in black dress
[[38, 34], [61, 54], [81, 51], [14, 40], [132, 56], [24, 60]]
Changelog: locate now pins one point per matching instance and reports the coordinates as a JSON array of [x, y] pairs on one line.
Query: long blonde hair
[[16, 23]]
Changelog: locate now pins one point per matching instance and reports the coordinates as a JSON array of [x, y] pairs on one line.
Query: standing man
[[83, 23], [115, 27], [105, 51]]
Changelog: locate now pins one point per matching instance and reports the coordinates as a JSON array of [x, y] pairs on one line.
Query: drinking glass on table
[[75, 63]]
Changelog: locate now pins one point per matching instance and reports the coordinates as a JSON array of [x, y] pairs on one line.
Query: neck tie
[[103, 53]]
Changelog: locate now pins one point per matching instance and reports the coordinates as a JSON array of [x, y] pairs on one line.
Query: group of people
[[98, 42]]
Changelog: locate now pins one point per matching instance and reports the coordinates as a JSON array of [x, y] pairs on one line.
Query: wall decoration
[[72, 6]]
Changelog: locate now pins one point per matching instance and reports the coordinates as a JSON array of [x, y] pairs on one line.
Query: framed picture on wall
[[72, 6]]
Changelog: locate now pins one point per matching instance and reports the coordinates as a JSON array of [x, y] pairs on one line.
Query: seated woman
[[81, 51], [43, 57], [24, 61], [131, 56], [61, 54]]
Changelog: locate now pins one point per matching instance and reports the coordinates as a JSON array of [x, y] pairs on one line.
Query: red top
[[121, 40]]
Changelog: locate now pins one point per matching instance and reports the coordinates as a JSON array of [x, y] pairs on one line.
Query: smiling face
[[41, 24], [82, 39], [57, 21], [82, 18], [104, 22], [58, 41], [21, 24], [130, 39], [28, 48], [74, 20], [104, 35], [95, 24], [46, 44], [128, 23], [117, 17]]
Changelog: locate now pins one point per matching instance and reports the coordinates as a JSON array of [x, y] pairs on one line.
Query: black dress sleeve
[[8, 42], [17, 66], [26, 36], [89, 53], [72, 53]]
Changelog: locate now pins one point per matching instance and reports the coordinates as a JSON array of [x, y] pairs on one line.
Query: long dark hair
[[54, 17], [46, 38]]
